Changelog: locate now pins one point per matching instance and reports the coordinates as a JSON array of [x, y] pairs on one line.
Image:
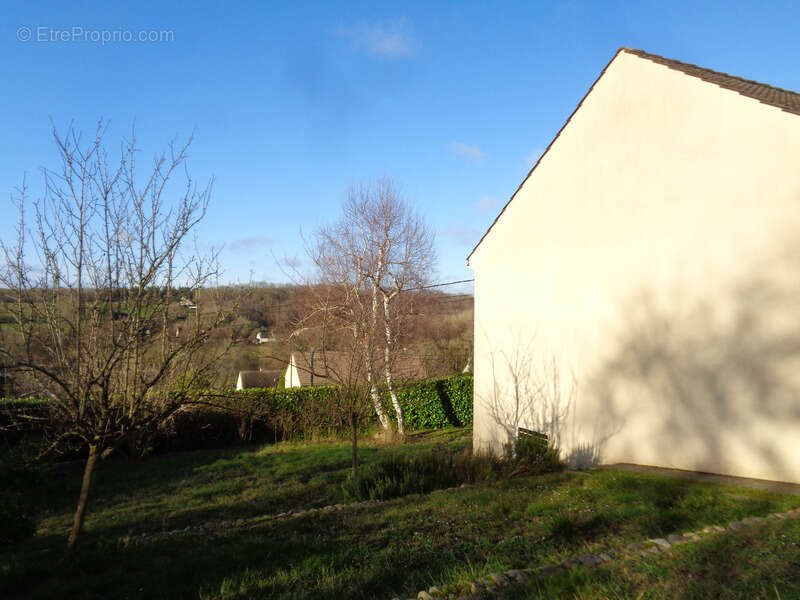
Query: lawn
[[393, 548]]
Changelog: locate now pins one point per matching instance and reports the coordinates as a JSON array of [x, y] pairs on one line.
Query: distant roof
[[332, 367], [260, 379], [785, 100]]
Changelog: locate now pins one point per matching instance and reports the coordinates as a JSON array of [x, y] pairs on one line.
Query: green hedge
[[293, 413], [430, 403], [272, 414], [437, 403], [427, 404]]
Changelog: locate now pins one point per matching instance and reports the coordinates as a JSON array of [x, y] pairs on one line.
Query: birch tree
[[381, 248], [91, 276]]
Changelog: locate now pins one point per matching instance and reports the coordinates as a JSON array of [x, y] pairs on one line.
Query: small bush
[[401, 474], [536, 455]]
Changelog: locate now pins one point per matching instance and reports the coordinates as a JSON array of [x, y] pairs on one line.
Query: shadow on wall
[[720, 375], [534, 393], [583, 456]]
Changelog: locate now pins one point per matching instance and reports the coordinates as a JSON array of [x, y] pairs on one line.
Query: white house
[[638, 298], [316, 368], [262, 337], [258, 379], [334, 367]]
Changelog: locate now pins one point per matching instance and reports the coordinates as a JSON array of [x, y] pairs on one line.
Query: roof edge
[[546, 150], [713, 77], [704, 74]]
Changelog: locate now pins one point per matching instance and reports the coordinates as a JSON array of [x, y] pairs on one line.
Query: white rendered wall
[[649, 265]]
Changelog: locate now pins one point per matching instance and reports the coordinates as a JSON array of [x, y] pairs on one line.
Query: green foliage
[[311, 412], [10, 402], [228, 417], [289, 413], [437, 403], [536, 455], [399, 474]]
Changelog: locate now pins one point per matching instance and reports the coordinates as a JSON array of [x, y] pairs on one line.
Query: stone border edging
[[472, 589]]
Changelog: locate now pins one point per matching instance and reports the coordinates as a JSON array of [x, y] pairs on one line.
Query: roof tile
[[786, 100]]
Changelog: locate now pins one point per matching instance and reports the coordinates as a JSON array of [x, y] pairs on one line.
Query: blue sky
[[293, 102]]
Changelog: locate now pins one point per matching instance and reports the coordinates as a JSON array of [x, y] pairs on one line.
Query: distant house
[[637, 298], [263, 337], [331, 367], [187, 303], [258, 379]]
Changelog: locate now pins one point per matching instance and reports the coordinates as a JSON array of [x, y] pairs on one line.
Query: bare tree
[[379, 249], [529, 393], [333, 318], [92, 277]]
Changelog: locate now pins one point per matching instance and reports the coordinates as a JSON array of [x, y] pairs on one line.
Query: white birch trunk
[[373, 389], [387, 364], [376, 399]]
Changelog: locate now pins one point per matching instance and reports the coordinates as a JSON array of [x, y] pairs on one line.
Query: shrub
[[400, 474], [536, 455]]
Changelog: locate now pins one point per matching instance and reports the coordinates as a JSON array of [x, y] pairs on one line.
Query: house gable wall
[[626, 273]]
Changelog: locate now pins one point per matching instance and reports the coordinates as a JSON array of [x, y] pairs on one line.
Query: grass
[[395, 548], [176, 490], [758, 562]]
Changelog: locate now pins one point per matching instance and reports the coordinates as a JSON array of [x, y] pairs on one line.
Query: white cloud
[[467, 151], [531, 158], [250, 243], [388, 39], [486, 204]]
